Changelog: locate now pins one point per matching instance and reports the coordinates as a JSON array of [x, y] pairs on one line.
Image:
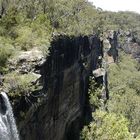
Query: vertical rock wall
[[65, 77]]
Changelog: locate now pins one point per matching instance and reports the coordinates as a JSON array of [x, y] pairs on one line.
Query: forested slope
[[32, 23], [119, 118], [29, 26]]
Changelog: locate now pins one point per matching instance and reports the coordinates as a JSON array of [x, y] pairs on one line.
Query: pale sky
[[118, 5]]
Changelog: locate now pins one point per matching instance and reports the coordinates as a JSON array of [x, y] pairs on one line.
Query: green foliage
[[25, 37], [31, 23], [25, 32], [107, 126], [128, 105], [121, 122], [34, 34], [124, 74], [17, 84], [69, 17], [94, 94], [121, 20], [80, 18], [6, 50], [124, 81]]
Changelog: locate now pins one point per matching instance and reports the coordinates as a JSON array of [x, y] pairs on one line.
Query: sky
[[118, 5]]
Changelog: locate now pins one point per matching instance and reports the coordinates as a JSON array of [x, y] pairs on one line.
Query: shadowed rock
[[65, 81]]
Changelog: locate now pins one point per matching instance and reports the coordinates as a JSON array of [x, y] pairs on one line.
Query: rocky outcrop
[[131, 45], [65, 76], [113, 41], [22, 80], [26, 61], [50, 95], [54, 104]]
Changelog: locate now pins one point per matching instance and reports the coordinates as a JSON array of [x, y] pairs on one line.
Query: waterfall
[[8, 129]]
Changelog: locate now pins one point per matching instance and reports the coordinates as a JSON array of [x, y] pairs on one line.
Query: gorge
[[66, 66], [65, 77], [64, 107]]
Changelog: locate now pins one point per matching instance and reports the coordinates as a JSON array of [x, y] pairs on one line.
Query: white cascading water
[[8, 129]]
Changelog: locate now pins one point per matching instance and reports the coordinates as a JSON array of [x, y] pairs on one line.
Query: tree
[[107, 126], [124, 81]]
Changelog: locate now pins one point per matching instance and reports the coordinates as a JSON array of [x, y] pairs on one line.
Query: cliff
[[131, 44], [64, 76]]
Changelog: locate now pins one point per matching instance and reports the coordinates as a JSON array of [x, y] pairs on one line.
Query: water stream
[[8, 129]]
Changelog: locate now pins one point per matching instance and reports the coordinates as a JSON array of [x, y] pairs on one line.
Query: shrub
[[94, 94], [124, 81], [17, 84], [107, 126], [6, 50], [35, 33]]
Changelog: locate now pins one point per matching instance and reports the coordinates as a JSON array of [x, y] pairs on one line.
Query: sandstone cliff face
[[64, 107], [65, 77], [131, 45]]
